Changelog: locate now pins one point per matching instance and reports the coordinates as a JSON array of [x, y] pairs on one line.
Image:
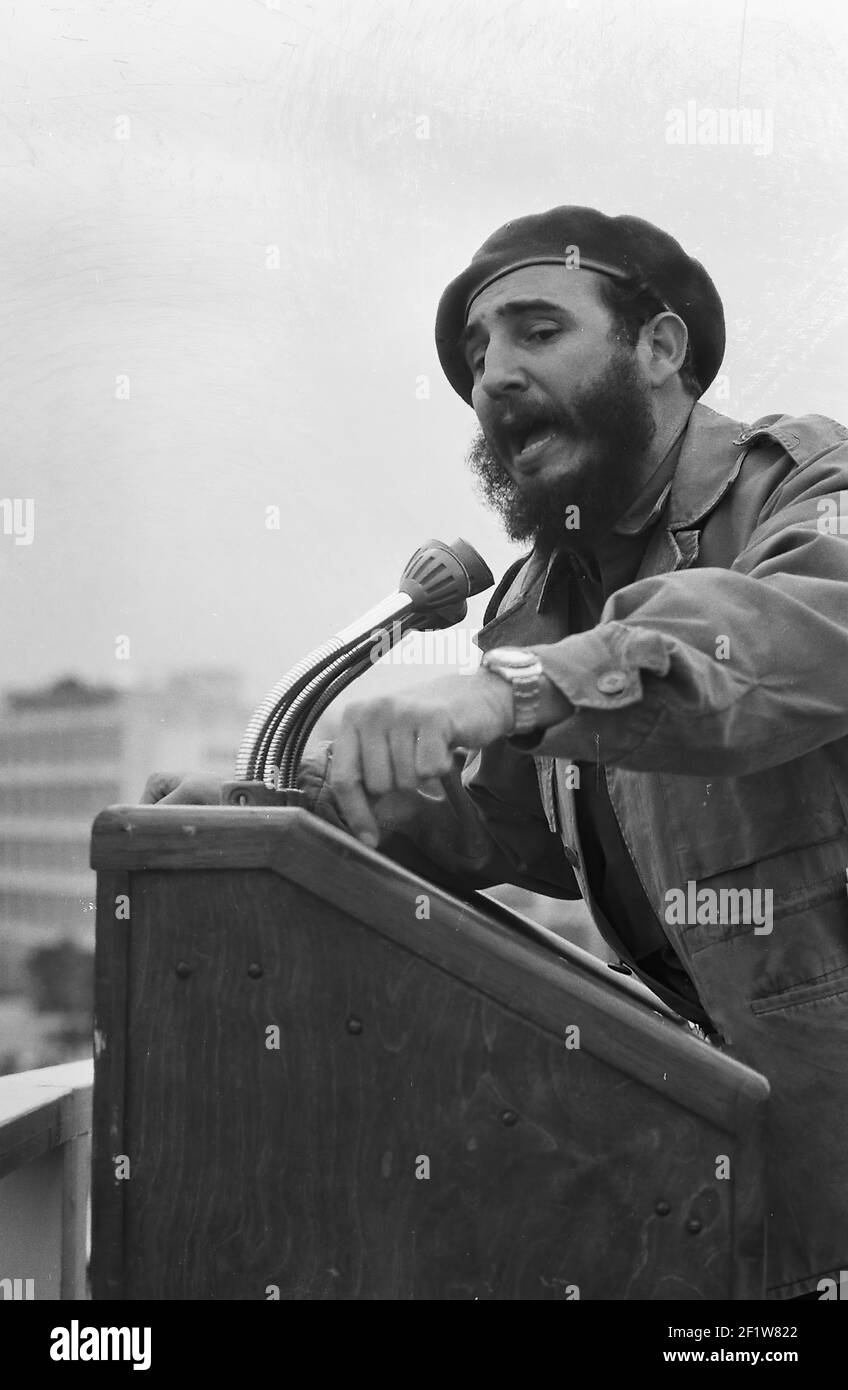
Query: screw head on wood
[[354, 1025], [182, 969], [255, 971], [662, 1208], [509, 1117]]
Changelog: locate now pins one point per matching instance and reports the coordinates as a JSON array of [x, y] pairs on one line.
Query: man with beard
[[662, 706]]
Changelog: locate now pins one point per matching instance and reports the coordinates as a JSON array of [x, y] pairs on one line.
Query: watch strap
[[523, 671]]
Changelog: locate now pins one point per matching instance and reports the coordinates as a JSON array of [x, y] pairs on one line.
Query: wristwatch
[[524, 672]]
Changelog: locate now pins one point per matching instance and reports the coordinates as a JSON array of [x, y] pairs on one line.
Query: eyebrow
[[514, 309]]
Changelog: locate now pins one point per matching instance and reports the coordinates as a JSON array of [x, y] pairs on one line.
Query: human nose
[[502, 373]]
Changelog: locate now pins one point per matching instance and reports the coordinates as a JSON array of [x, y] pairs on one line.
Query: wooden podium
[[317, 1076]]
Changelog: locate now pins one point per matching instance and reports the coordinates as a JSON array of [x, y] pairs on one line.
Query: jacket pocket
[[725, 823], [808, 952], [830, 985]]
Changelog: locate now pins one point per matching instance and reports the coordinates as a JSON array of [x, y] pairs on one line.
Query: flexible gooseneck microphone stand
[[431, 593]]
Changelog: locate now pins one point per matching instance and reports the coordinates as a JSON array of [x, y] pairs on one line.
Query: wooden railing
[[45, 1165]]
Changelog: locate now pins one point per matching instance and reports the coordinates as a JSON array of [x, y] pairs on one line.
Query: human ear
[[663, 340]]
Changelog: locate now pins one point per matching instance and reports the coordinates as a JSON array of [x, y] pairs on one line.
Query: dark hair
[[633, 303]]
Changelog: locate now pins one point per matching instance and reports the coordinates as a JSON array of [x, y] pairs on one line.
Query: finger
[[432, 789], [399, 810], [158, 785], [186, 793], [345, 778], [402, 745], [433, 757], [375, 758]]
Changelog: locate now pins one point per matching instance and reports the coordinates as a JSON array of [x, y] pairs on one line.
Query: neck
[[671, 417]]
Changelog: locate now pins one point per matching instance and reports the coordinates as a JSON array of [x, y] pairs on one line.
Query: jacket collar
[[709, 461]]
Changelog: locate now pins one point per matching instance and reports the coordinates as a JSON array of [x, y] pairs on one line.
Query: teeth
[[538, 444]]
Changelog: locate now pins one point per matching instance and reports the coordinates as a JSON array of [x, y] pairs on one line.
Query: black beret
[[624, 248]]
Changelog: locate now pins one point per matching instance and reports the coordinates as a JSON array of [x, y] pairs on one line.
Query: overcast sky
[[166, 377]]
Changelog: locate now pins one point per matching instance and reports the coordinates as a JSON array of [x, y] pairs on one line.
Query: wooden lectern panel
[[308, 1088]]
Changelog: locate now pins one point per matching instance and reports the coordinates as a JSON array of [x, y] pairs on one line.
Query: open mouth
[[535, 442], [528, 440]]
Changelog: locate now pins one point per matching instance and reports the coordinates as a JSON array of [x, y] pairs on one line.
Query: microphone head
[[441, 576]]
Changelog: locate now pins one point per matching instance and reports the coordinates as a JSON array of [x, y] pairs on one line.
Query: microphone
[[431, 593]]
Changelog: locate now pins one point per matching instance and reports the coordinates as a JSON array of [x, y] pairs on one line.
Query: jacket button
[[572, 856], [612, 682]]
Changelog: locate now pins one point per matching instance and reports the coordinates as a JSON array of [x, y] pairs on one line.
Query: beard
[[615, 415]]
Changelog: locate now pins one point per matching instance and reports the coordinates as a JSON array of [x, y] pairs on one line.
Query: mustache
[[521, 418]]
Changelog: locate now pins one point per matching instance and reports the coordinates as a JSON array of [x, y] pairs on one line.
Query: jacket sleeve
[[489, 829], [720, 671]]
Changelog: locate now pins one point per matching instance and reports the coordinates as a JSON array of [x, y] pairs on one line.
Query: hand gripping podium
[[318, 1076]]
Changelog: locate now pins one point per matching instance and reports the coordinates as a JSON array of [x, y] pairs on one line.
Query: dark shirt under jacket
[[577, 587]]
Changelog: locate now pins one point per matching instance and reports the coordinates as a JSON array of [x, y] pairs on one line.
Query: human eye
[[542, 333], [475, 358]]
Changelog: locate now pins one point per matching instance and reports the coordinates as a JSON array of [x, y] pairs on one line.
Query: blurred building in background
[[66, 751]]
